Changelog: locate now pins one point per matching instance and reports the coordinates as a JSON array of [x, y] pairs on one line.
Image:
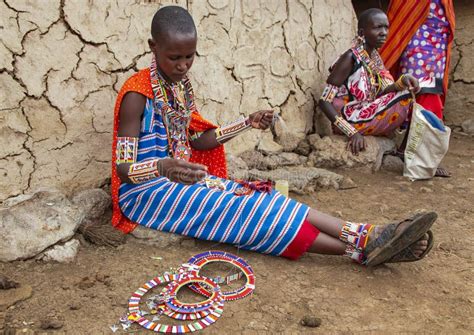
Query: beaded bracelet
[[345, 127], [126, 150], [329, 93], [399, 84], [231, 130], [144, 171]]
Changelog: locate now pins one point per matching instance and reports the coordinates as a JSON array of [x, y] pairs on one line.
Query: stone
[[157, 238], [393, 164], [302, 180], [236, 167], [41, 220], [254, 159], [268, 146], [284, 159], [65, 253], [310, 321], [303, 148], [468, 126], [93, 203], [331, 152]]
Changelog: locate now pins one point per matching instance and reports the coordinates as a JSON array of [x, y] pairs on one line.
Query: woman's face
[[174, 55], [376, 30]]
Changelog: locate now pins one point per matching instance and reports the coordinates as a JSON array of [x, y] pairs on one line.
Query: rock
[[256, 160], [289, 141], [268, 146], [156, 237], [6, 283], [51, 323], [393, 164], [301, 180], [347, 184], [93, 202], [310, 321], [331, 152], [65, 253], [468, 126], [32, 225], [303, 148], [284, 159], [236, 167], [12, 296]]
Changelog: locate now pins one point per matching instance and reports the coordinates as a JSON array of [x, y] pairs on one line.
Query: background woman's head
[[373, 26]]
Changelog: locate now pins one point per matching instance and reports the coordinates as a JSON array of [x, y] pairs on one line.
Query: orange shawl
[[405, 18], [214, 159]]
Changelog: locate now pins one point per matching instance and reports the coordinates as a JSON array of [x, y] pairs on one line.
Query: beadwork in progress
[[202, 313]]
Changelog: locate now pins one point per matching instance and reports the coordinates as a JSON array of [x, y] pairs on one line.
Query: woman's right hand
[[180, 171], [356, 143]]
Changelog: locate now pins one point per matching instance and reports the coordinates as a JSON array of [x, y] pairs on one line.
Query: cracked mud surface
[[62, 63], [433, 296]]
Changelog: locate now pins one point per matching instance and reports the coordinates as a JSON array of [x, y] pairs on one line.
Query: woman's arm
[[212, 138], [338, 76], [129, 171]]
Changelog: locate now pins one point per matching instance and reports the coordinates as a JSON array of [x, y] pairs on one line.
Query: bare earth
[[435, 295]]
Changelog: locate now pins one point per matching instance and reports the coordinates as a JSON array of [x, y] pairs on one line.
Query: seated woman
[[164, 154], [361, 97]]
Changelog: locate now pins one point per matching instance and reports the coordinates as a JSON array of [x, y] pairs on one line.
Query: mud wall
[[62, 63]]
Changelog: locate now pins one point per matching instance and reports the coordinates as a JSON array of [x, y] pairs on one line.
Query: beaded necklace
[[176, 115], [373, 64]]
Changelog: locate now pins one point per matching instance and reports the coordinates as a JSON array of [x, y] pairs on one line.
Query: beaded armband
[[233, 129], [193, 136], [126, 150], [329, 93], [144, 171], [345, 126], [399, 84]]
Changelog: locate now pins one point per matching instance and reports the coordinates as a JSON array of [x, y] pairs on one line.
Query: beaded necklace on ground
[[176, 116], [374, 65]]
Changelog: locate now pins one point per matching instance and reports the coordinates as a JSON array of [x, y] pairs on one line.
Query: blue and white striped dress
[[262, 222]]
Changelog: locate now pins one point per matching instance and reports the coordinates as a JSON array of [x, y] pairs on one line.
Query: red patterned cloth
[[214, 159]]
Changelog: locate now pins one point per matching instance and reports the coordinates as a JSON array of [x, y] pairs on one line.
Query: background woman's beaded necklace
[[176, 116], [373, 63]]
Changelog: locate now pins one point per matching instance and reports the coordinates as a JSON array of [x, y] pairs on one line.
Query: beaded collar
[[175, 112]]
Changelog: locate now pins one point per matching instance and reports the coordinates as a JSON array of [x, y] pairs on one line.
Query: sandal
[[391, 242], [407, 254], [442, 172]]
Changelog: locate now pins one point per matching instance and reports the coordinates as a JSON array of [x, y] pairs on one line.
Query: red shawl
[[214, 159]]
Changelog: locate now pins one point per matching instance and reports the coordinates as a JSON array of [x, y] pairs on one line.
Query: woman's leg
[[330, 241]]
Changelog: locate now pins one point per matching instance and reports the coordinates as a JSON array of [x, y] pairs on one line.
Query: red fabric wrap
[[214, 159], [301, 243]]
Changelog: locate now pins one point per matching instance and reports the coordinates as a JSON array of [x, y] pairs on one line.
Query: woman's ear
[[152, 44], [360, 32]]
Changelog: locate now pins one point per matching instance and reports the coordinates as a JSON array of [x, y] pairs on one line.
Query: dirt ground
[[435, 295]]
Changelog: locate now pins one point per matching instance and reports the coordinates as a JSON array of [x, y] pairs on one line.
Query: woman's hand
[[411, 83], [180, 171], [356, 143], [261, 119]]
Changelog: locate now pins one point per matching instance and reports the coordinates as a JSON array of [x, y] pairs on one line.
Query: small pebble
[[310, 321]]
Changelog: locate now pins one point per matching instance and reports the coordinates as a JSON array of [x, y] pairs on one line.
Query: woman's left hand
[[261, 119], [411, 83]]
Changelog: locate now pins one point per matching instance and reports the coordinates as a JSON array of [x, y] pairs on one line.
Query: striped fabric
[[262, 222], [405, 18]]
